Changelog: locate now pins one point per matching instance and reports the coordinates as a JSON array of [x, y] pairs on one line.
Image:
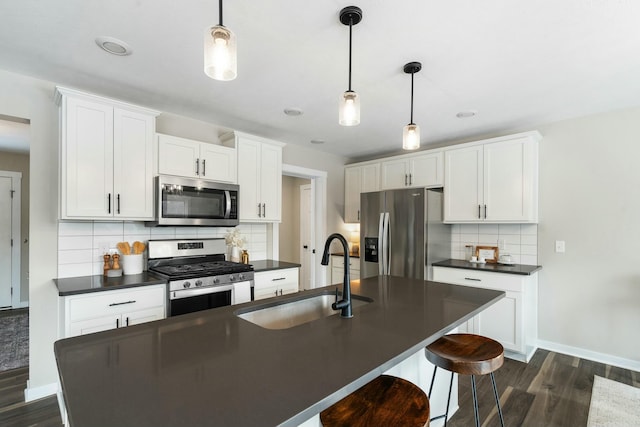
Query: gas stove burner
[[212, 268]]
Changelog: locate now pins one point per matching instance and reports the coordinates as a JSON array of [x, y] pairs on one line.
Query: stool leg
[[446, 414], [433, 379], [475, 400], [495, 393]]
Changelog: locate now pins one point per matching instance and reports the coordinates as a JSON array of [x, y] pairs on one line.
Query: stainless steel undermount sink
[[289, 313]]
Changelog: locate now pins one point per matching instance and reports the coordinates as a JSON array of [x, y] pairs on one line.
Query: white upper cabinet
[[106, 158], [416, 170], [259, 177], [195, 159], [358, 179], [493, 181]]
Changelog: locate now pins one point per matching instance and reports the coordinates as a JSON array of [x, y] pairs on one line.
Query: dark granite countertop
[[85, 284], [272, 264], [520, 269], [211, 368]]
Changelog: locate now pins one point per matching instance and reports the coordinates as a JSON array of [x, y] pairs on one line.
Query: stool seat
[[385, 401], [466, 354]]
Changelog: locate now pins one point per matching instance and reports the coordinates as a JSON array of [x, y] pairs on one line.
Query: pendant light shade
[[220, 53], [349, 113], [411, 132]]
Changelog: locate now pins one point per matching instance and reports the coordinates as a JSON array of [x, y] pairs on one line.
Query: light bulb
[[349, 114], [411, 137], [220, 62]]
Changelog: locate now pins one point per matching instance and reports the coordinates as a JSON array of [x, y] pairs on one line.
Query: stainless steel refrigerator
[[402, 233]]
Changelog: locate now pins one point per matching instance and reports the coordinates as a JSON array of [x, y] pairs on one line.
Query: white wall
[[32, 99], [590, 198]]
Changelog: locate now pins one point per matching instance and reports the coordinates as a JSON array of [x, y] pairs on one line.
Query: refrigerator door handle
[[380, 245], [387, 244]]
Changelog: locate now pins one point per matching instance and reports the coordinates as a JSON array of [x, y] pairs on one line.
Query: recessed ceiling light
[[114, 46], [293, 112], [466, 114], [317, 141]]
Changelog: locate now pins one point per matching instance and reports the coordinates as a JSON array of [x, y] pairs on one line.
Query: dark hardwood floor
[[14, 412], [551, 390]]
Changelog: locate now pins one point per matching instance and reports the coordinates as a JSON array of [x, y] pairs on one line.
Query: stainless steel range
[[199, 276]]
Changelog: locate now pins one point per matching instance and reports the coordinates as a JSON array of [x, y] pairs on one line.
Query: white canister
[[132, 264]]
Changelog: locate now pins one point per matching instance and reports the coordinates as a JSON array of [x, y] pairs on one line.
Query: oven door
[[197, 299], [183, 201]]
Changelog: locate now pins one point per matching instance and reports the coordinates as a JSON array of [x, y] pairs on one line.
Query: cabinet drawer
[[479, 279], [279, 278], [115, 302]]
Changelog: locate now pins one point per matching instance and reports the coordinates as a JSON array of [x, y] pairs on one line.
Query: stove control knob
[[232, 278], [198, 282], [186, 285], [216, 280], [240, 276]]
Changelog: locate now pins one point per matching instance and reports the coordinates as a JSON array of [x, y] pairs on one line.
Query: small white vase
[[235, 254]]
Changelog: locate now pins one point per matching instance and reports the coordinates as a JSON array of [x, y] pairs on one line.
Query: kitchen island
[[212, 368]]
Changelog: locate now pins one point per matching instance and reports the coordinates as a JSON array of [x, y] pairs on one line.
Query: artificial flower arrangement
[[234, 239]]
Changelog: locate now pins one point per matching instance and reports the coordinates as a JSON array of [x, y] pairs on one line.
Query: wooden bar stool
[[466, 354], [385, 401]]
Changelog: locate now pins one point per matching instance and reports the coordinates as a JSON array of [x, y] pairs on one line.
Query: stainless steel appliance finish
[[199, 276], [402, 233], [189, 202]]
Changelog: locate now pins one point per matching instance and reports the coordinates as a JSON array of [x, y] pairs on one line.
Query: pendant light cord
[[350, 27], [220, 7], [411, 99]]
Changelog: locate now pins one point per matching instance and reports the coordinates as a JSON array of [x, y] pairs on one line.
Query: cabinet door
[[249, 179], [90, 326], [143, 316], [394, 174], [426, 170], [178, 156], [463, 198], [369, 178], [271, 182], [133, 165], [352, 188], [510, 181], [503, 322], [87, 159], [218, 163]]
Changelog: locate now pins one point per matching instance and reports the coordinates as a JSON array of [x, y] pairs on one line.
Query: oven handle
[[186, 293]]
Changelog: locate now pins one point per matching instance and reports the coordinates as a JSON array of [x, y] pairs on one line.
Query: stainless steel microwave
[[193, 202]]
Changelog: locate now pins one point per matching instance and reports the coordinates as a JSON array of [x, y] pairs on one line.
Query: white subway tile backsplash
[[75, 228], [108, 228], [520, 240], [81, 244], [74, 242]]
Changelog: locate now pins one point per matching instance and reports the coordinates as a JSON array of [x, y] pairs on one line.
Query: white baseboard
[[607, 359], [35, 393]]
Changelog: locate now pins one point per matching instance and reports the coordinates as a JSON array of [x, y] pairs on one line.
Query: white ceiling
[[518, 64]]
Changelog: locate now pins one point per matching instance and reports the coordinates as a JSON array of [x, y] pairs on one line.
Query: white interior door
[[306, 237], [5, 242]]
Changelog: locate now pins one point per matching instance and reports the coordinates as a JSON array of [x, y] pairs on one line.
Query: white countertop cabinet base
[[512, 321], [273, 283]]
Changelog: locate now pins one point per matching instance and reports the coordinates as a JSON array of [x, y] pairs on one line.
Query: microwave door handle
[[227, 196]]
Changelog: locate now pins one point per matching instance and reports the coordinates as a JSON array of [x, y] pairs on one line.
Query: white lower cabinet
[[94, 312], [273, 283], [512, 321], [337, 269]]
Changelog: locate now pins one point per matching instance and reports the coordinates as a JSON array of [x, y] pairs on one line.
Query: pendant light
[[220, 56], [411, 132], [349, 114]]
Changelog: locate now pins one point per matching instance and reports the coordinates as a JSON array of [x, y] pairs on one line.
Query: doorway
[[315, 228]]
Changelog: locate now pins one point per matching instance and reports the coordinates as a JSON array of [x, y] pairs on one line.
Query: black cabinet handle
[[279, 278], [109, 203], [117, 323], [197, 166], [127, 321], [485, 211], [259, 211], [264, 210], [472, 279], [121, 303], [204, 167], [118, 203], [405, 179], [478, 211], [410, 179]]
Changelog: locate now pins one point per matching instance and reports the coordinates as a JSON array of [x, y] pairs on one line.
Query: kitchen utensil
[[138, 247], [124, 248]]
